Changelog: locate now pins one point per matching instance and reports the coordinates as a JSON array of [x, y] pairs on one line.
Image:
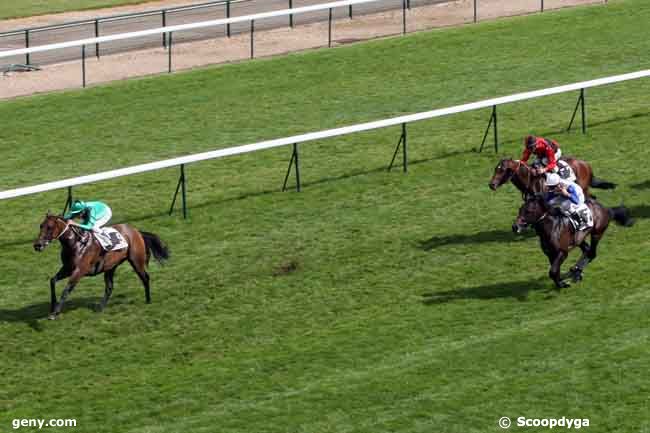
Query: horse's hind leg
[[63, 273], [576, 271], [108, 289], [588, 255], [594, 247], [139, 268]]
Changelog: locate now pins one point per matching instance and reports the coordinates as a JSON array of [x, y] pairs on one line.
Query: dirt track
[[268, 43]]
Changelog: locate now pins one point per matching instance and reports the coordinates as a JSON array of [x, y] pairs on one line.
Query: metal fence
[[174, 33], [294, 141], [110, 25]]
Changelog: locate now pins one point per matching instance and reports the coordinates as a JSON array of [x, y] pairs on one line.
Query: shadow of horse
[[32, 315], [474, 238], [641, 185], [514, 289], [640, 211], [27, 243]]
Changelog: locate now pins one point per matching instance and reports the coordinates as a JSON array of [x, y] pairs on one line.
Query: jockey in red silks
[[547, 151]]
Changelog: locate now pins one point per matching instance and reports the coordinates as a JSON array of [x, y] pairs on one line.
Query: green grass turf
[[25, 8], [412, 309]]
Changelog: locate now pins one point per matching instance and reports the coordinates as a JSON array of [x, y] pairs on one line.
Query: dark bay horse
[[557, 237], [82, 255], [521, 176]]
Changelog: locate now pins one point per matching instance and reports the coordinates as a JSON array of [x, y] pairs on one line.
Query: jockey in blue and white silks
[[569, 198]]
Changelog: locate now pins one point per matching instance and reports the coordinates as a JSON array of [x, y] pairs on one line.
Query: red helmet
[[530, 141]]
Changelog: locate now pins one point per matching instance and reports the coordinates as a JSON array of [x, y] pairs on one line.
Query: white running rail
[[142, 168], [181, 27]]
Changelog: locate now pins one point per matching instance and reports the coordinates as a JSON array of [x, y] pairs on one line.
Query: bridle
[[509, 172], [65, 229], [67, 226]]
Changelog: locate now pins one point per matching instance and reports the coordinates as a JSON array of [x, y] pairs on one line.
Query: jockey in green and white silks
[[94, 214]]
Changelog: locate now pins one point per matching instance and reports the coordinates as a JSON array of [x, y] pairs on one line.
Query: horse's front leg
[[554, 273], [72, 282], [63, 273]]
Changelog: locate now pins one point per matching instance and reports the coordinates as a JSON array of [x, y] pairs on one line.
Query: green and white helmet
[[77, 207]]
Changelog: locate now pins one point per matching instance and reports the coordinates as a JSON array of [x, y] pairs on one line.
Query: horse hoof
[[52, 316]]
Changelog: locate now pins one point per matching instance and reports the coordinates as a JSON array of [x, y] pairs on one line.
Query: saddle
[[110, 239], [581, 220]]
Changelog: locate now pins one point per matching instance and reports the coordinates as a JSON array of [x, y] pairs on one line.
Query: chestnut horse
[[82, 255], [520, 174], [557, 237]]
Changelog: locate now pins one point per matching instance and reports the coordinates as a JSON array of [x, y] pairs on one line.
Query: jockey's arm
[[573, 195], [550, 156], [87, 220], [72, 222], [86, 226], [90, 221], [525, 155]]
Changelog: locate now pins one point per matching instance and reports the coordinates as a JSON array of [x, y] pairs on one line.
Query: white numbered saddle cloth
[[110, 239]]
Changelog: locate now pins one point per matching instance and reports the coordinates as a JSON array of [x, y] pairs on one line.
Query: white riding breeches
[[102, 221], [569, 209], [566, 206]]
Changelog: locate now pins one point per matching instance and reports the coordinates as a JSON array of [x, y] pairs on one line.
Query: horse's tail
[[601, 183], [621, 215], [155, 246]]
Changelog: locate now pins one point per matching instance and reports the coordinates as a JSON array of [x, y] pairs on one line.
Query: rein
[[520, 164], [67, 226], [526, 184]]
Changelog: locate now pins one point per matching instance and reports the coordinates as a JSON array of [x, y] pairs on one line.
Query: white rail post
[[169, 54], [329, 30], [493, 118], [581, 103], [68, 202], [402, 142], [96, 36], [294, 161], [83, 65], [252, 39], [181, 186]]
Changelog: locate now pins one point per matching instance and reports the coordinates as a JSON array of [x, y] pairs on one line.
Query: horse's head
[[531, 212], [51, 229], [503, 173]]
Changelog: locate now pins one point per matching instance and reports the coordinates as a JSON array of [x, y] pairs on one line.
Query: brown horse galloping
[[520, 174], [82, 255], [557, 237]]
